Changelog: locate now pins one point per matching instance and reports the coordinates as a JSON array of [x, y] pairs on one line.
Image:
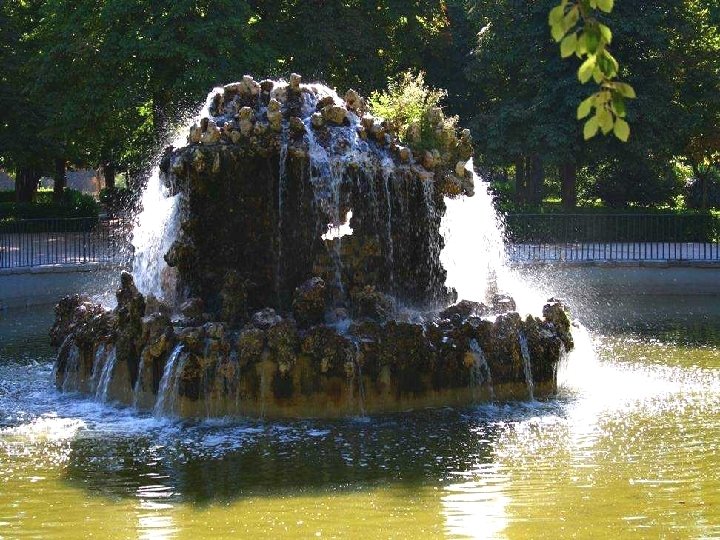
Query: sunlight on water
[[631, 454], [629, 449]]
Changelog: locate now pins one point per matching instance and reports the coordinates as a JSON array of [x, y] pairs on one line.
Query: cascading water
[[527, 366], [98, 363], [474, 254], [158, 225], [480, 372], [165, 397], [139, 382], [72, 380], [101, 393]]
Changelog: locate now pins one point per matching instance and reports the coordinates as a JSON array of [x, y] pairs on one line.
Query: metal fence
[[39, 242], [531, 238], [613, 237]]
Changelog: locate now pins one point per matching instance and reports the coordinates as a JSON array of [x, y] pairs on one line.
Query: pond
[[628, 448]]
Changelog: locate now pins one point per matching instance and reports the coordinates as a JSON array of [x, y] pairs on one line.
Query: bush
[[116, 200], [73, 205], [693, 190], [621, 182], [412, 110]]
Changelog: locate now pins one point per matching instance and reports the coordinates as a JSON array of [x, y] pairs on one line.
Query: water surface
[[628, 449]]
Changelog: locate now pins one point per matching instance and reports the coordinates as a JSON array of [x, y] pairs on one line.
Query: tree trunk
[[535, 180], [60, 179], [568, 179], [520, 188], [109, 175], [26, 184]]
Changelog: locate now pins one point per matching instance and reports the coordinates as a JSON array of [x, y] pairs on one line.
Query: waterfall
[[474, 245], [138, 383], [390, 255], [282, 180], [158, 224], [326, 177], [101, 393], [480, 370], [527, 367], [72, 371], [98, 361], [169, 383]]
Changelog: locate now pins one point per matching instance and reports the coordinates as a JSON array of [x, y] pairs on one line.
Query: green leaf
[[605, 32], [605, 120], [571, 18], [605, 5], [618, 104], [598, 75], [556, 15], [592, 41], [557, 31], [625, 90], [568, 45], [586, 69], [582, 45], [621, 129], [591, 128], [585, 107]]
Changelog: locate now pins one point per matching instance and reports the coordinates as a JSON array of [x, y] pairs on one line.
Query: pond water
[[630, 448]]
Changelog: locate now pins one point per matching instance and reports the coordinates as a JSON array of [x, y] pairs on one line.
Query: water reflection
[[629, 448]]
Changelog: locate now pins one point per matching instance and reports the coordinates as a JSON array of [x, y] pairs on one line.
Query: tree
[[527, 95], [23, 147]]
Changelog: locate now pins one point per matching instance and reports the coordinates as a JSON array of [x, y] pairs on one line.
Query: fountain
[[297, 272]]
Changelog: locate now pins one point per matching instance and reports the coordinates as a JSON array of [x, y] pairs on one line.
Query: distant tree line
[[98, 83]]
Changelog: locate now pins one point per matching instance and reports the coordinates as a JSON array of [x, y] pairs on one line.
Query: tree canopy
[[99, 83]]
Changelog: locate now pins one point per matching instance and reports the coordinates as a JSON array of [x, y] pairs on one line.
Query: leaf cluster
[[578, 29]]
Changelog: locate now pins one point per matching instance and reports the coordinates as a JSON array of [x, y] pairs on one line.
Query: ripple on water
[[630, 444]]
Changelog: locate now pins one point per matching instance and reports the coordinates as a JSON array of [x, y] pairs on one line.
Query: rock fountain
[[301, 275]]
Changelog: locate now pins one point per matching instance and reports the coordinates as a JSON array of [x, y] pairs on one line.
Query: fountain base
[[274, 367]]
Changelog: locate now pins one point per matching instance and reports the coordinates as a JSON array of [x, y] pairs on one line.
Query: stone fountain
[[302, 275]]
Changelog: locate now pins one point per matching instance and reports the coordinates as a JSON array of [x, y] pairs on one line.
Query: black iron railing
[[531, 237], [613, 237], [40, 242]]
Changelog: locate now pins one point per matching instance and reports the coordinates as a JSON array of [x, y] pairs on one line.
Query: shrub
[[412, 110], [116, 200], [693, 190], [73, 205], [643, 182]]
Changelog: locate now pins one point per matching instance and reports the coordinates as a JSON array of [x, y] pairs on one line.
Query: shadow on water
[[24, 334], [121, 455], [210, 464], [684, 321]]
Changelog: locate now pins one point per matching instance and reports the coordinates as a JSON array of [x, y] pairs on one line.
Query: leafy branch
[[574, 24]]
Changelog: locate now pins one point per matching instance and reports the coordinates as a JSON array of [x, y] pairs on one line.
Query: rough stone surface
[[295, 251]]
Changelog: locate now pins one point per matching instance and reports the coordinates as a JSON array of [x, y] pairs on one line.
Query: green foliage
[[117, 200], [578, 29], [411, 108], [693, 190], [74, 204], [642, 181]]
